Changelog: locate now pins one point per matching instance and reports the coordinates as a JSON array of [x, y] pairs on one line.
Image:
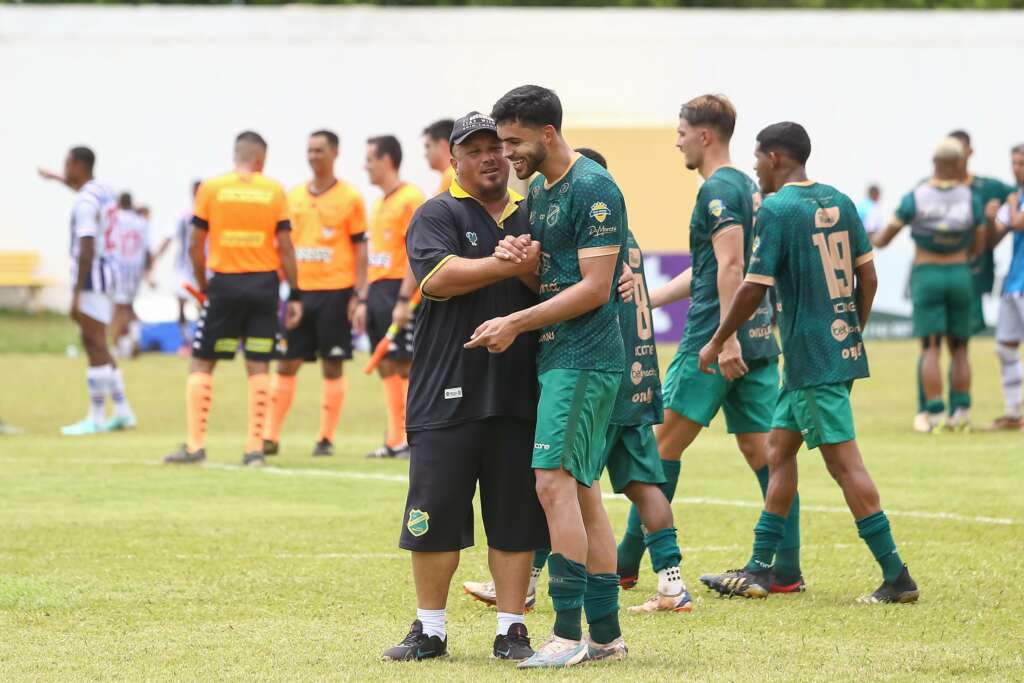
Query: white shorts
[[96, 305], [1010, 325], [125, 298]]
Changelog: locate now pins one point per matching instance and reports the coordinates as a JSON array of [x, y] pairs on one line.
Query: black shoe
[[323, 447], [739, 582], [416, 646], [254, 459], [903, 589], [515, 646], [385, 451], [270, 447], [182, 456]]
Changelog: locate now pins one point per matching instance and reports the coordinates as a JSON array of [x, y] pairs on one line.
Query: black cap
[[473, 122]]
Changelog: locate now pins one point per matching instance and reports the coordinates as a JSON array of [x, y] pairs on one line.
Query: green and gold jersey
[[807, 244], [983, 266], [943, 216], [580, 215], [639, 398], [729, 197]]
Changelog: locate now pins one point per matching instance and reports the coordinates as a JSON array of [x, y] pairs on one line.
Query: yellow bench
[[19, 270]]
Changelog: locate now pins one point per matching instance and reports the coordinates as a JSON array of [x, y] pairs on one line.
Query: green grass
[[112, 566], [45, 332]]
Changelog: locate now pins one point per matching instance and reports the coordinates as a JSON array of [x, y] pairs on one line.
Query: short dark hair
[[329, 135], [529, 104], [962, 136], [124, 200], [195, 186], [251, 136], [388, 145], [440, 130], [712, 111], [1018, 149], [84, 156], [787, 137], [593, 155]]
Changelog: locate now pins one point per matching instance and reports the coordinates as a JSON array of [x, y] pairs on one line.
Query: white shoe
[[613, 651], [557, 653], [665, 603], [922, 424], [484, 592]]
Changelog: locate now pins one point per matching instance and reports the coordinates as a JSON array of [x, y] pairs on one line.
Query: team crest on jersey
[[553, 214], [419, 522], [840, 330], [472, 237], [826, 217], [599, 211], [716, 208], [328, 233], [634, 258], [636, 373]]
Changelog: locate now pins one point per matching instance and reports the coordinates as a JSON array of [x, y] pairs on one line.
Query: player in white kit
[[130, 259], [183, 273]]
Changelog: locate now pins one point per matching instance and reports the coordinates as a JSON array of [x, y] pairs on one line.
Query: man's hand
[[627, 282], [513, 248], [357, 315], [292, 314], [730, 360], [47, 174], [708, 356], [75, 306], [496, 335], [400, 314], [991, 209]]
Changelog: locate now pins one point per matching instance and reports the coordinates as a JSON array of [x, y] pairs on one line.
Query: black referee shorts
[[444, 468], [381, 298], [324, 330], [239, 307]]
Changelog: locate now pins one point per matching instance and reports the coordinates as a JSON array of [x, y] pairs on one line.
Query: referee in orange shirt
[[329, 232], [244, 216]]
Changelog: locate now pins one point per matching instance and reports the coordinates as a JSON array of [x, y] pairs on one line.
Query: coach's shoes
[[903, 589], [254, 459], [665, 603], [417, 645], [323, 448], [739, 582], [385, 451], [515, 646], [556, 653], [183, 456], [83, 428], [121, 422], [271, 447], [484, 592], [787, 584]]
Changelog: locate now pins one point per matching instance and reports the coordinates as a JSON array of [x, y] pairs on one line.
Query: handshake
[[521, 252]]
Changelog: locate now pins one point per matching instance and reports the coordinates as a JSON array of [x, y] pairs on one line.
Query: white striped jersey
[[128, 248], [94, 215]]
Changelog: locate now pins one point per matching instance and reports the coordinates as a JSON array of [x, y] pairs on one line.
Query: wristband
[[294, 294]]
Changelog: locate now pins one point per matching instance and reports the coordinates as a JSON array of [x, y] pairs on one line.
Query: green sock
[[762, 480], [664, 548], [631, 548], [787, 557], [875, 531], [959, 399], [567, 584], [767, 535], [601, 604], [934, 406], [540, 557], [671, 469], [921, 398]]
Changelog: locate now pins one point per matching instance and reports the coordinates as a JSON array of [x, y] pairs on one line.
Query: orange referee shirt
[[242, 213], [391, 217], [325, 228]]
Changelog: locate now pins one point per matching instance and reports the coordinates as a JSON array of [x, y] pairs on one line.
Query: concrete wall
[[160, 91]]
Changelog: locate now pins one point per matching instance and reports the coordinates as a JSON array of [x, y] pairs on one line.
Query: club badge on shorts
[[419, 522]]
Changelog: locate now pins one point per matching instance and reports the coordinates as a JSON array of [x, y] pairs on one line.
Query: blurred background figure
[[870, 209], [183, 273], [131, 259], [438, 151]]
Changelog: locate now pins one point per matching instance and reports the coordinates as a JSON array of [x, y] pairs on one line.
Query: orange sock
[[332, 397], [198, 398], [396, 410], [259, 402], [282, 391]]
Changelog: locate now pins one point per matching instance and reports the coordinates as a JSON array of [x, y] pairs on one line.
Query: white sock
[[433, 622], [117, 395], [1010, 370], [505, 621], [670, 581], [97, 380], [124, 346], [534, 576]]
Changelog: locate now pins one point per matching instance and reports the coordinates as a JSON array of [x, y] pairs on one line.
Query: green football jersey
[[983, 266], [943, 216], [581, 215], [639, 398], [728, 197], [807, 244]]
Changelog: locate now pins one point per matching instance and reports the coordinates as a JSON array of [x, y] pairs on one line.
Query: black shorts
[[380, 303], [324, 330], [444, 468], [240, 307]]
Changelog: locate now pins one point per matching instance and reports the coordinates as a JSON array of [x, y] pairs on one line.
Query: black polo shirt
[[448, 384]]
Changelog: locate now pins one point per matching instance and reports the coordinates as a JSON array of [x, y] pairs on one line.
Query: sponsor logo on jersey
[[549, 287], [716, 208], [472, 237], [545, 262], [826, 217], [553, 214], [636, 373], [840, 330], [601, 230], [599, 211], [644, 350], [644, 396], [314, 254], [547, 336], [564, 188], [453, 392], [537, 446], [759, 332], [381, 259], [419, 522], [634, 258]]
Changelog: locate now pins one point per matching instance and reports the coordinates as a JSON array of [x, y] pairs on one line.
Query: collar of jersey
[[510, 208], [576, 156], [944, 184], [801, 183]]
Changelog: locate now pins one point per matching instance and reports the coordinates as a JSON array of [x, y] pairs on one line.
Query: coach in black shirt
[[470, 414]]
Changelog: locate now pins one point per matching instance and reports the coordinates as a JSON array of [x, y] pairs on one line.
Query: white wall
[[159, 92]]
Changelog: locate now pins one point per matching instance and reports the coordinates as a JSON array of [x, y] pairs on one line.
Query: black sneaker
[[182, 456], [385, 451], [515, 646], [416, 646], [323, 447], [739, 582], [903, 589], [254, 459], [402, 452], [270, 447]]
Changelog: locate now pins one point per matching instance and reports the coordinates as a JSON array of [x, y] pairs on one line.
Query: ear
[[549, 134]]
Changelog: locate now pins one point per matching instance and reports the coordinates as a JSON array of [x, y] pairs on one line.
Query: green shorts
[[748, 402], [572, 418], [632, 455], [942, 296], [821, 414]]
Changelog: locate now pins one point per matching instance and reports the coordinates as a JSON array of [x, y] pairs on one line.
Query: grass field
[[113, 566]]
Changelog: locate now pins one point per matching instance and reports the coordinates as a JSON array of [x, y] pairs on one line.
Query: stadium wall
[[160, 91]]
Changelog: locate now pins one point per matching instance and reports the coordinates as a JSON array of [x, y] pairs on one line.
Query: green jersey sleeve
[[907, 208], [766, 251], [719, 202], [978, 207], [598, 214]]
